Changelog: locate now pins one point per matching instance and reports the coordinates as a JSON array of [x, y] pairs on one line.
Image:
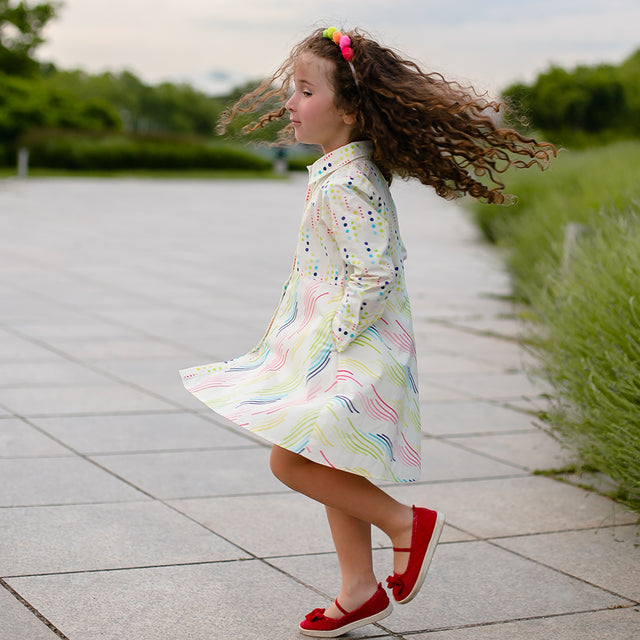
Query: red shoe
[[427, 527], [320, 626]]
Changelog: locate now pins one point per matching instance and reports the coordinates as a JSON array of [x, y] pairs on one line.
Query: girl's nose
[[288, 105]]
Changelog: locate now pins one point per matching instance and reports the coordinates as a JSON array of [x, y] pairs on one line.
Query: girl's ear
[[349, 118]]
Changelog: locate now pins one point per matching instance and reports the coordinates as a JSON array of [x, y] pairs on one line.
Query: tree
[[587, 103], [21, 26]]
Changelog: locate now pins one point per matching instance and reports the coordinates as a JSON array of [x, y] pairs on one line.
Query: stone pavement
[[131, 512]]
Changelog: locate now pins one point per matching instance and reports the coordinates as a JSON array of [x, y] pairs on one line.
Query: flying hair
[[422, 126]]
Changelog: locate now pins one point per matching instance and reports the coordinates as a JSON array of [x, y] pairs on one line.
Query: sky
[[215, 44]]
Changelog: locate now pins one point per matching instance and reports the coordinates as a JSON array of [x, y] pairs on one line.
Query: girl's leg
[[352, 540], [348, 493]]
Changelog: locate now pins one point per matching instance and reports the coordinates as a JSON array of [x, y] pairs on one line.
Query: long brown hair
[[421, 125]]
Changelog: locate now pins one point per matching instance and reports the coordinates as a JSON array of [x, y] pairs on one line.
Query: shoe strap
[[403, 550], [339, 607]]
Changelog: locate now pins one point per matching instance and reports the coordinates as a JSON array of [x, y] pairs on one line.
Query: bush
[[588, 347], [56, 150]]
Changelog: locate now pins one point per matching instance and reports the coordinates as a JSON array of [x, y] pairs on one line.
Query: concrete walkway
[[131, 512]]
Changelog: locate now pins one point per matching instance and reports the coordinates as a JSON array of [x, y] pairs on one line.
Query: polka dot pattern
[[349, 237]]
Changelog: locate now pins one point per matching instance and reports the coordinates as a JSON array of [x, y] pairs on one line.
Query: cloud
[[491, 43]]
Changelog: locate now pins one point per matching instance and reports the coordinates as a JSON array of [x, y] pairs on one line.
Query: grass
[[578, 187], [584, 304], [587, 343]]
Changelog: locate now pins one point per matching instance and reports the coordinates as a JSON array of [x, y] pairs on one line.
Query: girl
[[332, 385]]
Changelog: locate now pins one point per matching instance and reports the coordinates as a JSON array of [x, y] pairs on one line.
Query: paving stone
[[138, 306], [18, 623], [468, 583], [532, 451], [618, 624], [80, 399], [487, 385], [88, 329], [60, 480], [516, 506], [471, 417], [16, 349], [50, 373], [20, 440], [445, 461], [40, 540], [484, 348], [139, 432], [196, 473], [608, 557], [442, 363], [277, 524], [135, 348], [429, 392], [194, 602]]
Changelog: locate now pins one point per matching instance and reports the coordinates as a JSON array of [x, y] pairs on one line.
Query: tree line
[[39, 101], [582, 106]]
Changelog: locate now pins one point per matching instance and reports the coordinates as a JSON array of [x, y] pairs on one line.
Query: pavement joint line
[[59, 505], [482, 454], [130, 452], [481, 434], [130, 568], [118, 323], [632, 603], [483, 333], [493, 623], [596, 529], [178, 407], [33, 610]]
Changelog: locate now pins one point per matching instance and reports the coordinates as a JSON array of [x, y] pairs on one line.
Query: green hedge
[[87, 152]]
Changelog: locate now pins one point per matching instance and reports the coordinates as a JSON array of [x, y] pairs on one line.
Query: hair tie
[[344, 42]]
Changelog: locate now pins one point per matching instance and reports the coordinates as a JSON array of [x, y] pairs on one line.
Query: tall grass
[[584, 298], [576, 189], [587, 343]]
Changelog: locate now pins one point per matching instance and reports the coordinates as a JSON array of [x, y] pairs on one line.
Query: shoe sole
[[356, 624], [433, 543]]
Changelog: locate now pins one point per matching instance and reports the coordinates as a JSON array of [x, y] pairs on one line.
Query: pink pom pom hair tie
[[344, 42]]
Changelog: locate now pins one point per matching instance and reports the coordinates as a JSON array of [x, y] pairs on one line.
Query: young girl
[[333, 384]]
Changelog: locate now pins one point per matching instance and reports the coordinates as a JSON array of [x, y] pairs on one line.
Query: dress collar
[[338, 158]]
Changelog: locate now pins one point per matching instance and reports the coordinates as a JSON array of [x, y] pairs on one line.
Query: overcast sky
[[489, 43]]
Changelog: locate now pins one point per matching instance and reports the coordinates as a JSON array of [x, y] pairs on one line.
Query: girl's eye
[[306, 94]]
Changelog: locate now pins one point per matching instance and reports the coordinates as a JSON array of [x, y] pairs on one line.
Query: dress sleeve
[[360, 221]]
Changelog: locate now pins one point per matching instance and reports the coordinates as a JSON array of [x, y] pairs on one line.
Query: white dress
[[334, 378]]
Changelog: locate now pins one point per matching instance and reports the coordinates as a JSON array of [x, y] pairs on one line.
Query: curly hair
[[421, 125]]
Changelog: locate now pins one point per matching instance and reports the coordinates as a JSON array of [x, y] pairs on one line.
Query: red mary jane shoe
[[427, 527], [320, 626]]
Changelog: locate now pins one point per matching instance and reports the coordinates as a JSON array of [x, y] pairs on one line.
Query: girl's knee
[[285, 464]]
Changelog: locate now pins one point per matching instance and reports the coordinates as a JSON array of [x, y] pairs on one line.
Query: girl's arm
[[360, 222]]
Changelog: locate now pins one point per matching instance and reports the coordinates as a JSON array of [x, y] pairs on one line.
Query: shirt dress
[[334, 378]]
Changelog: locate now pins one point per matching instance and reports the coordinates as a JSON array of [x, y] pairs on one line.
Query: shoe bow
[[316, 614], [394, 581]]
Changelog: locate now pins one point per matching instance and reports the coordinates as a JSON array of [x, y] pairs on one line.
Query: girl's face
[[312, 106]]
